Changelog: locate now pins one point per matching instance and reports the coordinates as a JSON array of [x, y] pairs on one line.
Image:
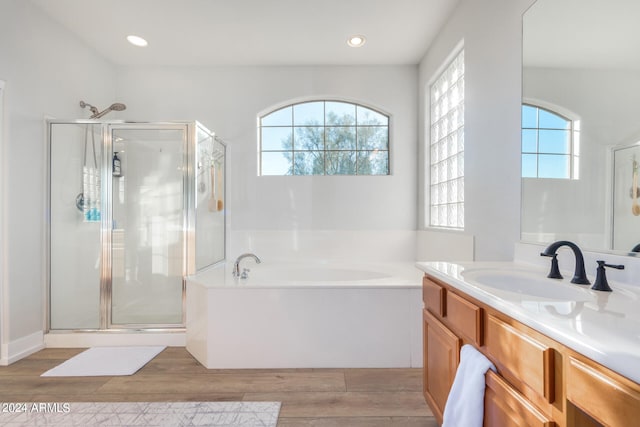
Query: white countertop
[[603, 326]]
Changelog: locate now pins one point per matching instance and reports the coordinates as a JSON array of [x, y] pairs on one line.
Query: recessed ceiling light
[[356, 40], [137, 41]]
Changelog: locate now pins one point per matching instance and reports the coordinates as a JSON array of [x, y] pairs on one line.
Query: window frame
[[324, 126]]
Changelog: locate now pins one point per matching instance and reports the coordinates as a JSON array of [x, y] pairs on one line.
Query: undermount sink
[[526, 285]]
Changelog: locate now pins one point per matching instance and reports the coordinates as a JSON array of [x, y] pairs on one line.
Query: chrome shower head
[[118, 107], [113, 107]]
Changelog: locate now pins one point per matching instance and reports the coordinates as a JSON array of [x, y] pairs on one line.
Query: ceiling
[[254, 32]]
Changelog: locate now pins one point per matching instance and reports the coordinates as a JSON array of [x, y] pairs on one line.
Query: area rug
[[182, 414], [106, 361]]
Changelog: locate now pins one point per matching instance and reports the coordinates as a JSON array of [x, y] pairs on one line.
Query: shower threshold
[[80, 339]]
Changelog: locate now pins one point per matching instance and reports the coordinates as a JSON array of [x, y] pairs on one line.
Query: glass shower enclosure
[[133, 209]]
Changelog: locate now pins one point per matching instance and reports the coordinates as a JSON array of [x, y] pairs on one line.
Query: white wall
[[492, 34], [47, 71], [228, 101]]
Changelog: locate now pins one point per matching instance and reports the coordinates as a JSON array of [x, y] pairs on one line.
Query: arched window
[[324, 138], [550, 144]]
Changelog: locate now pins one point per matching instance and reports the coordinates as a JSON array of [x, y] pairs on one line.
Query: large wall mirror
[[581, 123]]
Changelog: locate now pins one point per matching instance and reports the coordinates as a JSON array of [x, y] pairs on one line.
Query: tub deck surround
[[603, 326], [306, 315], [317, 273]]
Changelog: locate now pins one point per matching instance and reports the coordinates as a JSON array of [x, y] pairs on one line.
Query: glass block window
[[550, 144], [447, 147], [324, 138]]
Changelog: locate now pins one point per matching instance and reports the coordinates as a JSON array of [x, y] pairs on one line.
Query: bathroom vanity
[[565, 355]]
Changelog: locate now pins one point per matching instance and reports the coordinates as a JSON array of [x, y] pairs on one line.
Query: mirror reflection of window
[[549, 144]]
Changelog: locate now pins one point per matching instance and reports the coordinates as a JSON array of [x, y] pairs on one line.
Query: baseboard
[[21, 348]]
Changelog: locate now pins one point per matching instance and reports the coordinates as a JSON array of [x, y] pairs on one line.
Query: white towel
[[465, 404]]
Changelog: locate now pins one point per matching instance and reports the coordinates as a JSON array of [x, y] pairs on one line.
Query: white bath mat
[[185, 414], [106, 361]]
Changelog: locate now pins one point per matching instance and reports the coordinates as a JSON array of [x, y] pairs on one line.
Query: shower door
[[74, 266], [148, 176], [626, 193]]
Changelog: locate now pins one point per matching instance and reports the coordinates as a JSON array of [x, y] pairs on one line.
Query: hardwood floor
[[310, 397]]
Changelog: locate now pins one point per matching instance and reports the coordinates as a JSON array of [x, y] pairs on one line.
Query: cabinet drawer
[[505, 407], [433, 296], [464, 317], [524, 358], [604, 398]]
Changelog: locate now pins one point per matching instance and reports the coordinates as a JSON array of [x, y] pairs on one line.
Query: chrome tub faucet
[[245, 271]]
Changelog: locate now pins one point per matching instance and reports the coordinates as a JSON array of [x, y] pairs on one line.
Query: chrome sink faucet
[[236, 265], [579, 276]]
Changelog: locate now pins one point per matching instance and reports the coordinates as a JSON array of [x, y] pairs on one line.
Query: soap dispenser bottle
[[117, 165]]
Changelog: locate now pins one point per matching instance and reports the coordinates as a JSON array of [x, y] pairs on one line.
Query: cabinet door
[[441, 358]]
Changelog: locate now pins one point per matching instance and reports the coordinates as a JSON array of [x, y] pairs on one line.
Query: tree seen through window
[[324, 138]]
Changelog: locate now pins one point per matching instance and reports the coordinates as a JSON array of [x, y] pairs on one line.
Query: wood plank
[[379, 397], [359, 422], [21, 384], [175, 353], [348, 404], [170, 366], [56, 353], [32, 367], [377, 380], [225, 383], [136, 397]]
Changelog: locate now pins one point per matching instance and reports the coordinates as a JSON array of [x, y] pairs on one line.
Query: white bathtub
[[306, 315]]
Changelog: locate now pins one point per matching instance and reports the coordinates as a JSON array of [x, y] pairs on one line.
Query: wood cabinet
[[539, 382], [505, 407], [442, 356], [433, 297], [610, 399], [465, 317], [521, 357]]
